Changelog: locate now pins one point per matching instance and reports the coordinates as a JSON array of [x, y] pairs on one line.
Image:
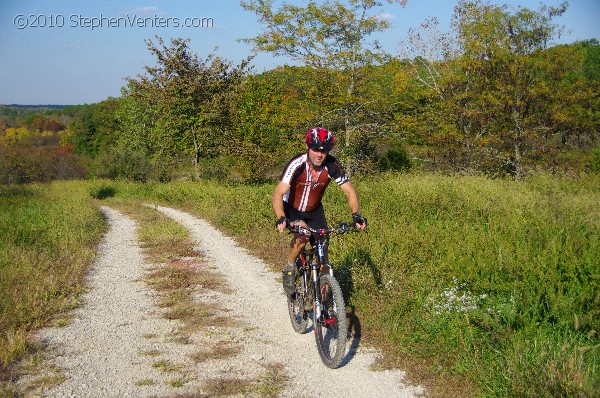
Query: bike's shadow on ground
[[346, 281], [354, 330], [352, 336]]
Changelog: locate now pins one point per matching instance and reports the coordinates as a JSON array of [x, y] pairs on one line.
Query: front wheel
[[331, 329], [296, 308]]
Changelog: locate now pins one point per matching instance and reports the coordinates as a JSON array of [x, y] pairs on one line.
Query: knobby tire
[[331, 329], [298, 314]]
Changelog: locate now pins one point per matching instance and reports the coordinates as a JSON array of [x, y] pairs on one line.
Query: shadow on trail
[[360, 258], [354, 334]]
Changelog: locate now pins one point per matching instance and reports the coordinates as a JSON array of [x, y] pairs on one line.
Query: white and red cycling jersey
[[305, 194]]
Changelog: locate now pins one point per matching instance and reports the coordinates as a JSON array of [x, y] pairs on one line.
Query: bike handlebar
[[339, 229]]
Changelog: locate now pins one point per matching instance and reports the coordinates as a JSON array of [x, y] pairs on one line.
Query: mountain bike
[[318, 291]]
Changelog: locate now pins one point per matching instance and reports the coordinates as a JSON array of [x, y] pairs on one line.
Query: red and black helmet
[[320, 138]]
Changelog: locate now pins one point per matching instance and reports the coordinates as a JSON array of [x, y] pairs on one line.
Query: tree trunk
[[196, 158], [516, 115]]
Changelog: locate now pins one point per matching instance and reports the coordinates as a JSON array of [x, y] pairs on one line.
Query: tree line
[[492, 96]]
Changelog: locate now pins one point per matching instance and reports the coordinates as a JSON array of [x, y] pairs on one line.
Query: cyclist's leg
[[289, 269], [298, 243], [315, 219], [296, 246]]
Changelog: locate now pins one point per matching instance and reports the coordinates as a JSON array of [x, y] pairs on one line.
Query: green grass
[[167, 366], [48, 236], [145, 382], [478, 287], [493, 280]]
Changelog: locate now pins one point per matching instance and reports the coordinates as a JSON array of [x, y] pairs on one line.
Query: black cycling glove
[[281, 220], [357, 218]]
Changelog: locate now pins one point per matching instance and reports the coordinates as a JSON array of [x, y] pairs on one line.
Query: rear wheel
[[298, 315], [331, 329]]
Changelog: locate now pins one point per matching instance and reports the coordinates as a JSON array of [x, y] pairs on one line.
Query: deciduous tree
[[332, 38], [190, 98], [494, 79]]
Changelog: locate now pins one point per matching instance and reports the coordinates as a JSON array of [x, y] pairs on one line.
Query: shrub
[[23, 165], [102, 191], [395, 159], [595, 160], [130, 164]]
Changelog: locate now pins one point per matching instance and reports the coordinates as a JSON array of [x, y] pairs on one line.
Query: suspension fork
[[316, 270], [315, 266]]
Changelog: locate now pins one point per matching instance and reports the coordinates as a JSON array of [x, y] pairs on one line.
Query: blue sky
[[71, 62]]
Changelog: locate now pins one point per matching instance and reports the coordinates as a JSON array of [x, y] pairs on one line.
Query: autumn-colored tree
[[260, 130], [513, 81], [32, 153], [332, 39], [575, 108], [495, 80], [190, 98]]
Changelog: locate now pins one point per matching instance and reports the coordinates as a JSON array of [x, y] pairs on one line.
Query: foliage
[[321, 35], [21, 165], [35, 152], [102, 191], [128, 164], [28, 155], [592, 59], [39, 132], [331, 38], [495, 80], [20, 115], [395, 159], [260, 133], [595, 160], [94, 127], [189, 100], [504, 76], [492, 96]]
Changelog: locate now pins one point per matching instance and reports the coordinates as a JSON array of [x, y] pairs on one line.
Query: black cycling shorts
[[314, 219]]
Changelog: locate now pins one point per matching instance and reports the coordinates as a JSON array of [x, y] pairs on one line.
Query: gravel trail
[[101, 353]]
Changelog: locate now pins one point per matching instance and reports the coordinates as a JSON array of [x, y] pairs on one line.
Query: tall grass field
[[478, 287], [48, 237]]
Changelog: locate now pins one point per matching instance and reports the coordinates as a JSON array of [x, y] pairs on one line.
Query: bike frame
[[306, 256], [326, 298], [318, 250]]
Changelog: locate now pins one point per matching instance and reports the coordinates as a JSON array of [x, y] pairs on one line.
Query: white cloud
[[386, 16], [143, 11]]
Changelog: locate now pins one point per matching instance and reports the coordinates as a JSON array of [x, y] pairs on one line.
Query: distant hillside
[[33, 106], [15, 110]]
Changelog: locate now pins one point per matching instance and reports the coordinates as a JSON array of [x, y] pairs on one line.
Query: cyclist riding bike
[[297, 197]]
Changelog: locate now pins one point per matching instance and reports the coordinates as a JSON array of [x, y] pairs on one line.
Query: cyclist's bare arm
[[352, 196], [277, 202], [353, 202]]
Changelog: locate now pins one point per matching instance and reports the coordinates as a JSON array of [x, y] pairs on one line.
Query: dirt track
[[105, 351]]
